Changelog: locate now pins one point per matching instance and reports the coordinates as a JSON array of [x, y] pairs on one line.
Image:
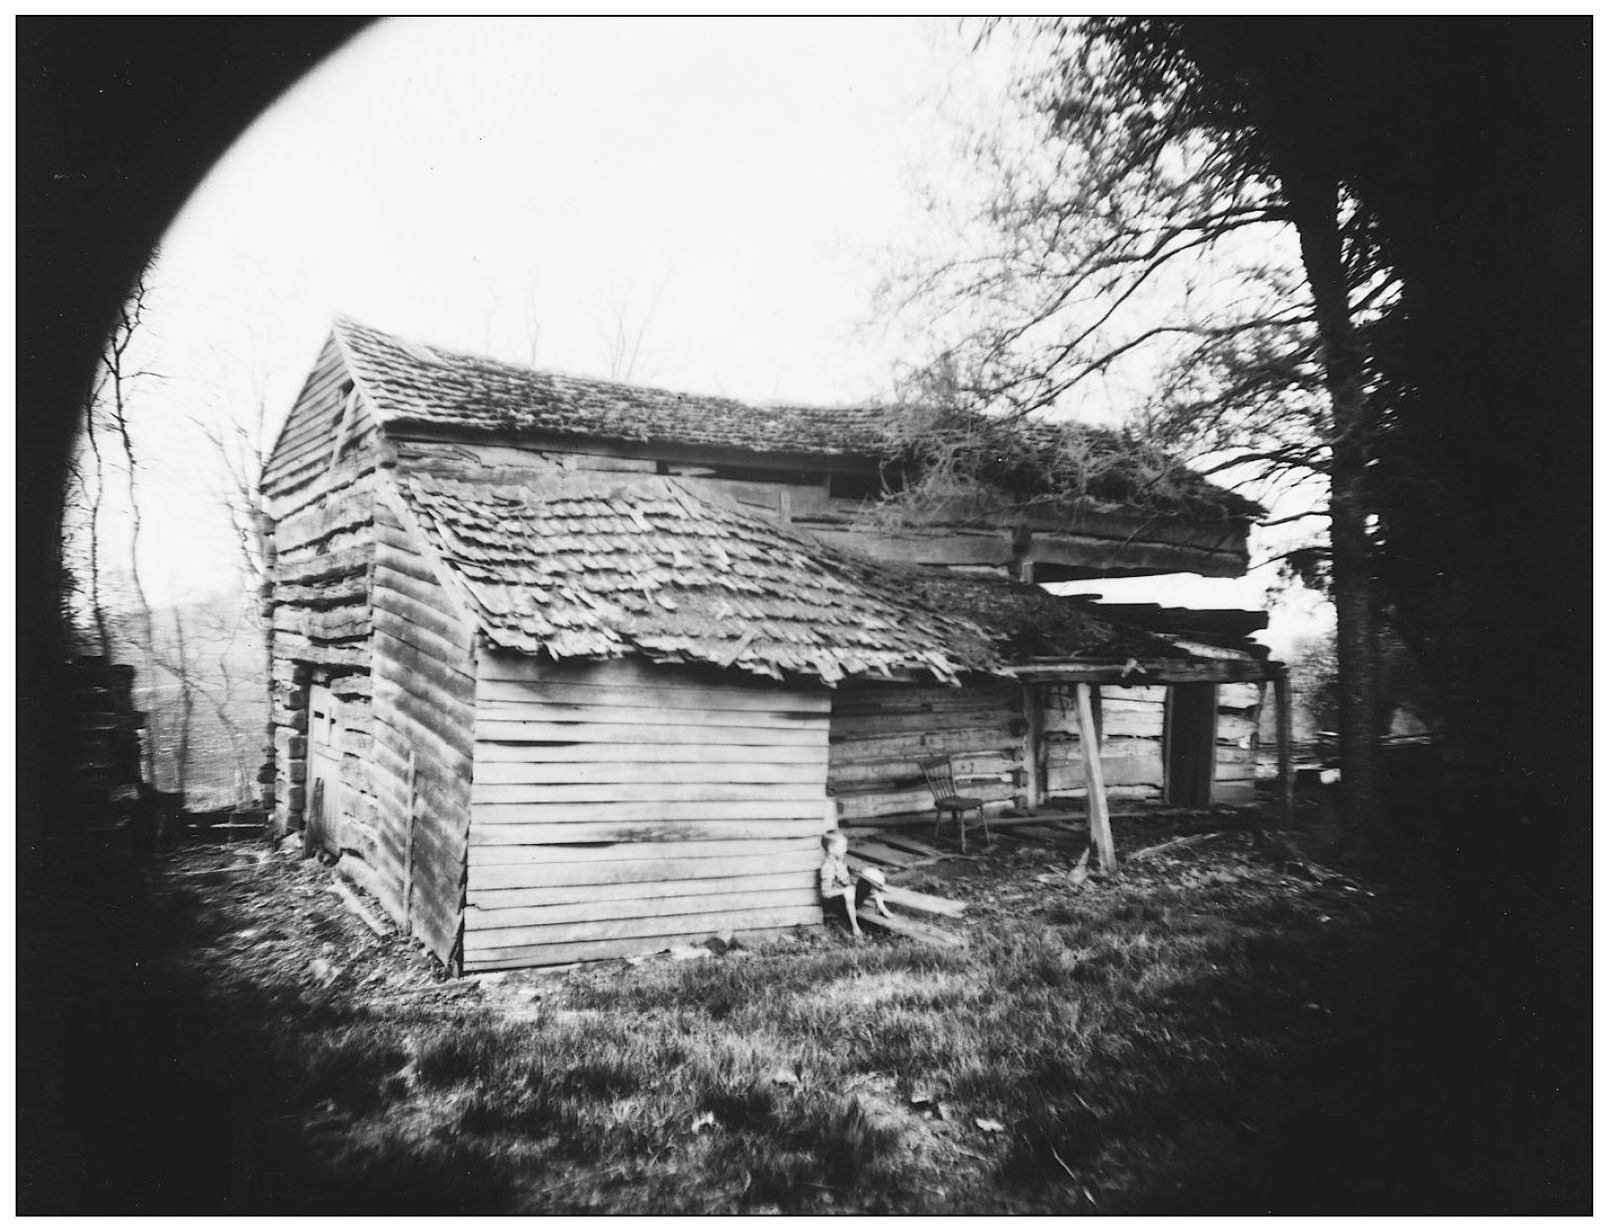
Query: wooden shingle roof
[[597, 565], [411, 383]]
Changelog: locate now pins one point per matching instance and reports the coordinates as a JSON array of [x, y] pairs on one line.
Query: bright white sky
[[730, 188]]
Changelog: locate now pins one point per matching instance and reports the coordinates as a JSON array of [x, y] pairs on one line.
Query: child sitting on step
[[842, 892]]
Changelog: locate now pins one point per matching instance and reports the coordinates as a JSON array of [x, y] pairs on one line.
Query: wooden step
[[924, 933], [916, 846], [875, 855], [911, 899]]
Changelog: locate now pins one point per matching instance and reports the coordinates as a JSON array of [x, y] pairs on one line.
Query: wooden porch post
[[1034, 709], [1095, 792], [1284, 741]]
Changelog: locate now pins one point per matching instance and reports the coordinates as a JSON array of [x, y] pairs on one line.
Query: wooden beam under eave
[[1146, 671]]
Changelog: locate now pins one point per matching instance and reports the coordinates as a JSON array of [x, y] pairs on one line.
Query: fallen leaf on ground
[[989, 1125], [784, 1076]]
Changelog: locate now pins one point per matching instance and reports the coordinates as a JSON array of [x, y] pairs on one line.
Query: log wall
[[623, 807], [881, 733], [320, 489]]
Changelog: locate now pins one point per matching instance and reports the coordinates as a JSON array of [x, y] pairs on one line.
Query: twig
[[1062, 1163], [1188, 840]]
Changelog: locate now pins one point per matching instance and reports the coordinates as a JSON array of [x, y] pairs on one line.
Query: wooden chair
[[941, 778]]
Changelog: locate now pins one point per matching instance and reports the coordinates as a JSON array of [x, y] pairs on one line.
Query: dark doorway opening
[[1190, 719]]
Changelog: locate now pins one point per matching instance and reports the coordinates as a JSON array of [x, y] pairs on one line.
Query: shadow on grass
[[139, 1093]]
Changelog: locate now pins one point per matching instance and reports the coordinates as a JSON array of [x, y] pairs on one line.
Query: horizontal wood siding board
[[644, 716], [434, 718], [389, 595], [443, 801], [488, 939], [332, 515], [337, 564], [582, 873], [687, 696], [503, 665], [761, 774], [613, 793], [659, 831], [599, 950], [491, 902], [493, 753], [653, 810], [979, 742], [714, 901], [883, 727], [312, 413], [629, 733], [441, 660], [661, 852]]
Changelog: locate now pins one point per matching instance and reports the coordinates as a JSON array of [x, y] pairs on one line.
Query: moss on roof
[[415, 384]]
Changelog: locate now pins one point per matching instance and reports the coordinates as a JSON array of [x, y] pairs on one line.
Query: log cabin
[[565, 669]]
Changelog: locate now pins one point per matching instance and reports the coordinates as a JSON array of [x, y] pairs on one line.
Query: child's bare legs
[[848, 903]]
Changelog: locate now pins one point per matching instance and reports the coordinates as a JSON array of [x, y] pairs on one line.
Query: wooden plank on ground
[[914, 845], [923, 933], [1046, 818], [912, 899], [875, 855]]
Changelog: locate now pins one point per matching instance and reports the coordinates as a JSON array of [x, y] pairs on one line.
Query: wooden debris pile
[[109, 738]]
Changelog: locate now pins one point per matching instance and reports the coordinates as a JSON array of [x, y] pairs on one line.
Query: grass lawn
[[1204, 1032]]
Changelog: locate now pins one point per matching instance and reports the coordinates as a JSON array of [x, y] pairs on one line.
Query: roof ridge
[[440, 351]]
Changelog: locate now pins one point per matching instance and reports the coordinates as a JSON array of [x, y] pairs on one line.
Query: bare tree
[[1126, 231], [113, 391], [625, 333]]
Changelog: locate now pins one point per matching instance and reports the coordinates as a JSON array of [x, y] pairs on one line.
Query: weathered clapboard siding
[[881, 733], [502, 907], [627, 804], [313, 417], [422, 645]]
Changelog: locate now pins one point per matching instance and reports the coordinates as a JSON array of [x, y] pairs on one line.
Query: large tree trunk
[[1314, 207]]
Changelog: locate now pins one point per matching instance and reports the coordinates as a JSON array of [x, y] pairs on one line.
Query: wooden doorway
[[322, 811], [1191, 717]]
